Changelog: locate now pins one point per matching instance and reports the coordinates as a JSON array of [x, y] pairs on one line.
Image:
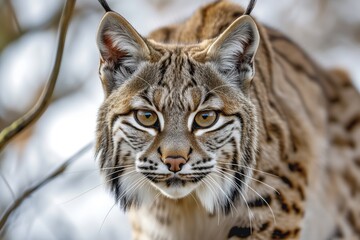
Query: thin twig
[[7, 185], [35, 113], [58, 171], [50, 24]]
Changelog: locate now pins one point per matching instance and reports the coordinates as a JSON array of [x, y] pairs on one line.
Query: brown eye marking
[[146, 118], [205, 119]]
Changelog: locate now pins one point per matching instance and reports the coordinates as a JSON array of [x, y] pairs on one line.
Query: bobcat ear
[[121, 47], [234, 50]]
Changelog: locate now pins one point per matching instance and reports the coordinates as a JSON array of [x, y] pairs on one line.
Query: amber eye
[[206, 119], [146, 118]]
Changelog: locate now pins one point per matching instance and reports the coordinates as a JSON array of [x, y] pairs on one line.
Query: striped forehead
[[176, 69], [176, 87], [179, 84], [183, 98]]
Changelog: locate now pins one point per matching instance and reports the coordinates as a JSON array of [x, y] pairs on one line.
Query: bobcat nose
[[174, 163]]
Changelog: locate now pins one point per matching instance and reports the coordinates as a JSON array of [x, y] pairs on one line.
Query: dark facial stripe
[[146, 99], [129, 137], [132, 126], [105, 147], [239, 178], [208, 97], [212, 147], [179, 63], [147, 168], [115, 173], [117, 116], [221, 139], [202, 168], [192, 72], [222, 126], [163, 68]]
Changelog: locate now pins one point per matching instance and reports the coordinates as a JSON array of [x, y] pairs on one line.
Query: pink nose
[[175, 163]]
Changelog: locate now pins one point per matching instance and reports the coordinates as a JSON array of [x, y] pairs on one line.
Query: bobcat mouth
[[175, 182], [175, 179], [176, 186]]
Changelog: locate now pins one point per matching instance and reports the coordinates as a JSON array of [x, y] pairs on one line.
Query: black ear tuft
[[250, 7], [105, 5]]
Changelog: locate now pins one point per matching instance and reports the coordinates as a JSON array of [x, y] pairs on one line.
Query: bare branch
[[35, 113], [58, 171], [7, 185]]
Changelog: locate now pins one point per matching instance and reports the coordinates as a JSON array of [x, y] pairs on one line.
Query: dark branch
[[41, 105], [16, 204], [105, 5], [250, 7]]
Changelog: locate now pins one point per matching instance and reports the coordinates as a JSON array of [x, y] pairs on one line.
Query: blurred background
[[75, 205]]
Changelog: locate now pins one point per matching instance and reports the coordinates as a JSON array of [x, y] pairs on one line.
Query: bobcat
[[195, 145]]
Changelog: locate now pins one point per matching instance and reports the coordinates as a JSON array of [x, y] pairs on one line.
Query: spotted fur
[[281, 162]]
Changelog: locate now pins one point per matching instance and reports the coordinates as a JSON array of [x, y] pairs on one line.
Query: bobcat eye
[[206, 119], [146, 118]]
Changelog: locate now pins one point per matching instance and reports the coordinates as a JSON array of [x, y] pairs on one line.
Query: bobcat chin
[[220, 127]]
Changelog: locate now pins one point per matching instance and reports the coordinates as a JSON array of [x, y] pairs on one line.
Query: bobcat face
[[176, 119]]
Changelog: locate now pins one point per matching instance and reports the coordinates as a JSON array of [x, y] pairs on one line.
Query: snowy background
[[75, 205]]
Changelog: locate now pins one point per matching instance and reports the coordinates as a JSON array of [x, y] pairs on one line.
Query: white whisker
[[121, 166], [144, 81], [254, 169], [254, 179], [227, 197], [250, 213], [197, 204], [140, 182], [107, 214], [101, 184], [209, 185], [273, 215]]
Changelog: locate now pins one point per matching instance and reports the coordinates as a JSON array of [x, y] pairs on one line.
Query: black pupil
[[205, 116], [147, 115]]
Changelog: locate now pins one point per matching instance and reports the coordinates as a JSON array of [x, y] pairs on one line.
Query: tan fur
[[308, 140]]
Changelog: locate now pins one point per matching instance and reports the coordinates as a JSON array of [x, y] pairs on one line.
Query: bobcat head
[[176, 119]]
